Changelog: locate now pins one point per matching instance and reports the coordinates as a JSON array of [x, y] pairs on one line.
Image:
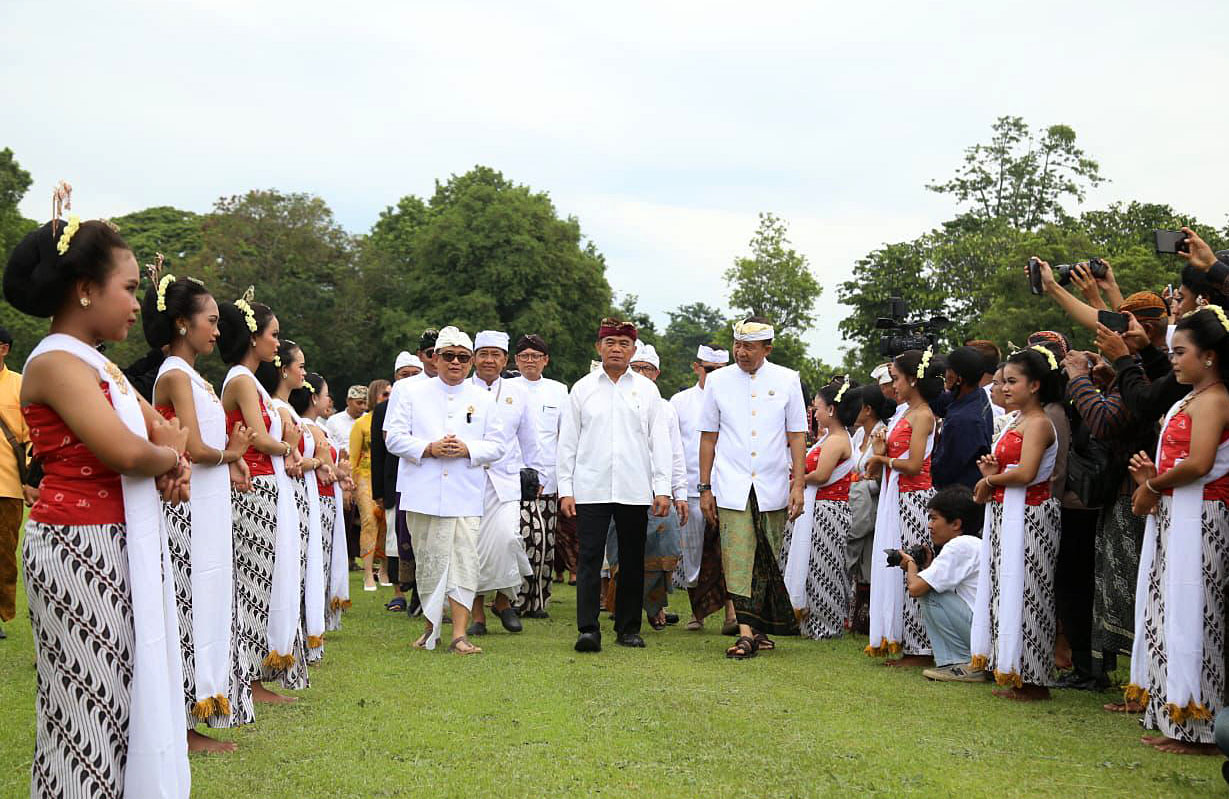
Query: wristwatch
[[705, 487]]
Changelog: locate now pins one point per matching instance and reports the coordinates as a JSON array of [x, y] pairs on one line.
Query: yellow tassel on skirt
[[275, 662], [315, 641], [211, 706], [885, 648]]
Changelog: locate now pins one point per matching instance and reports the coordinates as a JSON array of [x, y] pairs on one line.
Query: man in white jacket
[[445, 431]]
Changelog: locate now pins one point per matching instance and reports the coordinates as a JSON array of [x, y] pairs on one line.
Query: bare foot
[[1123, 707], [1153, 740], [924, 661], [1027, 693], [421, 643], [210, 746], [262, 694], [1186, 748]]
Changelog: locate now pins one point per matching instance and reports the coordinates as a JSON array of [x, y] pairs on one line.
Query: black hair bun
[[34, 283], [155, 324]]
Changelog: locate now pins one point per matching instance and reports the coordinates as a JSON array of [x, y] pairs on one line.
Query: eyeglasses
[[708, 370], [642, 368], [430, 353], [459, 357], [530, 357]]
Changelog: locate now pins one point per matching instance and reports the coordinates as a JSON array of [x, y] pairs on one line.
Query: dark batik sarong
[[767, 607], [567, 545], [1119, 540], [709, 594]]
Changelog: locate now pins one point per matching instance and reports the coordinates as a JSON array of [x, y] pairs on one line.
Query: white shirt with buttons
[[614, 441], [425, 411], [688, 404], [547, 400], [678, 460], [751, 413], [520, 431]]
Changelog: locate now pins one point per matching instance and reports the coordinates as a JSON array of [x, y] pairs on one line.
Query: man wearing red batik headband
[[613, 462]]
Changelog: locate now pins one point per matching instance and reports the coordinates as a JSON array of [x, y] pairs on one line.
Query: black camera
[[1062, 272], [919, 553], [903, 335]]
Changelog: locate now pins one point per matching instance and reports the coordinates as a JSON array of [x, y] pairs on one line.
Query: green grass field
[[531, 718]]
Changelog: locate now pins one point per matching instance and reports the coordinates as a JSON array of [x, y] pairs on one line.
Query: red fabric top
[[77, 488], [898, 447], [1176, 444], [326, 490], [259, 464], [1008, 451], [838, 490]]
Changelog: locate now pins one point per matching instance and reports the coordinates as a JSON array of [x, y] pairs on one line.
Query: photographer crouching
[[943, 579]]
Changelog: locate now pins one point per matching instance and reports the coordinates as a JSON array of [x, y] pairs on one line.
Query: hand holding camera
[[1111, 344], [1042, 278], [919, 555], [1196, 250]]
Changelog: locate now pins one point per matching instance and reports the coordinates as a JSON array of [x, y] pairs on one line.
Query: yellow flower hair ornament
[[277, 361], [1049, 356], [166, 281], [244, 304], [1216, 309], [74, 224], [927, 354], [841, 393]]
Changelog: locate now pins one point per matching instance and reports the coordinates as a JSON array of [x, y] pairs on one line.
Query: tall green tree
[[775, 280], [162, 229], [485, 252], [1022, 177], [14, 183]]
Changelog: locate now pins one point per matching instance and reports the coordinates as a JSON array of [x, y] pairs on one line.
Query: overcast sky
[[664, 127]]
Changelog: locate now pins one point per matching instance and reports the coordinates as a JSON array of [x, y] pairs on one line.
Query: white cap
[[707, 354], [451, 337], [881, 374], [646, 353], [490, 338], [405, 359], [753, 331]]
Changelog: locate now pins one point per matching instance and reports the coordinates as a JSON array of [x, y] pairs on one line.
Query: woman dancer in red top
[[248, 337], [904, 448], [1177, 668], [182, 316], [79, 552]]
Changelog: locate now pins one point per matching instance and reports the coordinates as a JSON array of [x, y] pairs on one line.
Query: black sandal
[[764, 642], [743, 648]]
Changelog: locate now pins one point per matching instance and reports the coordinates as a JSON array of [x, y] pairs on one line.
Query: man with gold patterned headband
[[753, 429], [613, 462]]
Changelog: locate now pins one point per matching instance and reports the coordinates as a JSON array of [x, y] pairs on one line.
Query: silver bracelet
[[221, 457]]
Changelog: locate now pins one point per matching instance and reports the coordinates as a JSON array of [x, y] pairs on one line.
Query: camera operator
[[1083, 313], [945, 583], [1214, 265], [965, 435], [1140, 356]]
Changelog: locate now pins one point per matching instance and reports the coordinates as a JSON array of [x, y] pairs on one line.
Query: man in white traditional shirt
[[341, 423], [540, 522], [502, 562], [614, 462], [445, 431], [701, 540], [752, 443], [662, 549]]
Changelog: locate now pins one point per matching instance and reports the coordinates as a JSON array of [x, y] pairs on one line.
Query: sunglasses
[[459, 357], [429, 353], [708, 370]]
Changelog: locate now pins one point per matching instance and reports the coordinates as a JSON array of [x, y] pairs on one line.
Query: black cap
[[532, 341], [427, 340], [5, 336]]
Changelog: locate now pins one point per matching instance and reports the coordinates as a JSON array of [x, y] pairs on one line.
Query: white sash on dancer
[[157, 763], [1012, 571], [211, 552], [284, 598], [1183, 589], [887, 622], [798, 560], [313, 579], [338, 589]]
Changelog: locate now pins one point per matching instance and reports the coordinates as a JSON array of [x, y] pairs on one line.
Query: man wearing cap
[[541, 525], [340, 424], [701, 566], [662, 547], [882, 376], [444, 430], [12, 479], [502, 560], [384, 491], [614, 462], [752, 438]]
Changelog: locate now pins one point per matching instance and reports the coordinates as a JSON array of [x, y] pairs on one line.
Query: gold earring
[[85, 302]]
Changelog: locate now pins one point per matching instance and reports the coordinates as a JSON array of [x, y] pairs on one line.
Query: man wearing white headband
[[445, 431], [502, 560], [557, 537], [662, 549], [700, 572], [753, 429]]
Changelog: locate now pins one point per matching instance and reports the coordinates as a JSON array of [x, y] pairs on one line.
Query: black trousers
[[1074, 583], [592, 525]]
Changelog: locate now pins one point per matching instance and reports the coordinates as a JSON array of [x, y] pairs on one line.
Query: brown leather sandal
[[743, 648]]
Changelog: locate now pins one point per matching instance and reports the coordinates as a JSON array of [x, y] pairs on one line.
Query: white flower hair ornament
[[927, 354], [277, 361], [841, 392], [166, 281], [244, 304], [1049, 356], [1216, 309]]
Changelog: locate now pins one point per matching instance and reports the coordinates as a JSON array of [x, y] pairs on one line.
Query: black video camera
[[919, 553], [902, 335]]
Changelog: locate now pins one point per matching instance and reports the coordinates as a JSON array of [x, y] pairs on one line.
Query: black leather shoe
[[476, 628], [2, 635], [672, 618], [589, 642], [630, 639], [511, 621], [535, 614]]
